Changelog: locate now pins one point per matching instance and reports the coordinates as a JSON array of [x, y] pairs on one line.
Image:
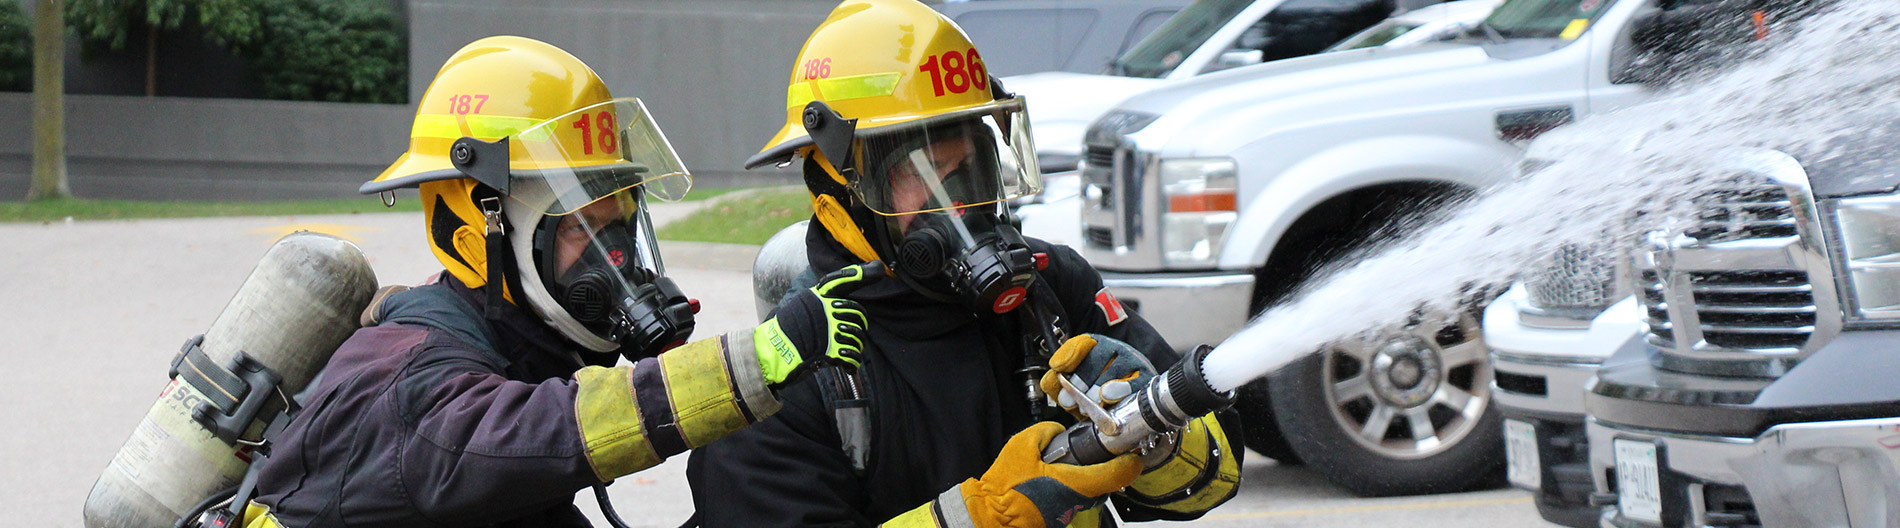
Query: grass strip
[[745, 219]]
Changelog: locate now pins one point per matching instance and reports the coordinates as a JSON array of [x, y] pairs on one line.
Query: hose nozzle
[[1164, 406]]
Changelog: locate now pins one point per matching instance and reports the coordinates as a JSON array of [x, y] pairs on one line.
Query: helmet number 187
[[957, 71], [605, 122]]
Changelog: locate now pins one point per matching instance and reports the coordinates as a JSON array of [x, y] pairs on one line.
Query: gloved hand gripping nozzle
[[1159, 409]]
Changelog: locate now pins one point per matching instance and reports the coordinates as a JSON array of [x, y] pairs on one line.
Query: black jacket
[[944, 398]]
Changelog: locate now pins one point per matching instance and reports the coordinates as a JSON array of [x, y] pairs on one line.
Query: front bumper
[[1544, 369], [1187, 308], [1541, 370], [1840, 473], [1817, 446]]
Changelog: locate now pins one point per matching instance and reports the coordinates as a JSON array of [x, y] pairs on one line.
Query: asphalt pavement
[[95, 310]]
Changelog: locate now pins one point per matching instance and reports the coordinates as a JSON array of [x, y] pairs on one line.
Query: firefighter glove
[[1104, 368], [1022, 491], [815, 327]]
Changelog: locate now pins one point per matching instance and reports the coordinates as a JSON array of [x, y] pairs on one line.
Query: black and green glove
[[818, 326]]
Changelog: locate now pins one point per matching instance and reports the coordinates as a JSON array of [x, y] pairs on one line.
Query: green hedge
[[16, 48]]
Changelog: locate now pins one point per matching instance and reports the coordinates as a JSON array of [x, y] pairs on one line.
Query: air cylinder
[[298, 305]]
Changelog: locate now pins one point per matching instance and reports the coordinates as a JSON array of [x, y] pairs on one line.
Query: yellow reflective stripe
[[258, 516], [452, 126], [610, 422], [704, 405], [919, 517], [842, 88]]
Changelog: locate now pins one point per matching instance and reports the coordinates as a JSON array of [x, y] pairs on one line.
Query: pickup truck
[[1761, 391], [1206, 36], [1228, 191]]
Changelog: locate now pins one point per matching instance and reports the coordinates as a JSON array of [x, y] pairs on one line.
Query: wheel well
[[1353, 222]]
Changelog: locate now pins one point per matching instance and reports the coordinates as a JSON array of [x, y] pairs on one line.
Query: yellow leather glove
[[1021, 491], [1106, 369]]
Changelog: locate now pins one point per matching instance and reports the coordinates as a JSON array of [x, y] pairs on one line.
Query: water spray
[[1811, 92]]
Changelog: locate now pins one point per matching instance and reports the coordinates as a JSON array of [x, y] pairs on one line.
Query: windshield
[[1171, 43], [1565, 19], [1376, 36]]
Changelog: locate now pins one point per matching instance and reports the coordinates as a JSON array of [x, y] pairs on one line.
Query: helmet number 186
[[957, 71], [603, 121]]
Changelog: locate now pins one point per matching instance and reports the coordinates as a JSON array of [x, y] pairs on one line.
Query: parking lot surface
[[96, 310]]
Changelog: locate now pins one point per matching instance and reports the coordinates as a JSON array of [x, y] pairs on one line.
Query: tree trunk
[[151, 60], [49, 101]]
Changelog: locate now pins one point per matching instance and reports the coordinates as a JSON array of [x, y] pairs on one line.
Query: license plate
[[1638, 485], [1520, 455]]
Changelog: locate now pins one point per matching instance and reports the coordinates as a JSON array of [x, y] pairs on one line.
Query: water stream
[[1809, 88]]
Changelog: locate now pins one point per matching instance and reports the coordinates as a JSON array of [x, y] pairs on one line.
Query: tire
[[1263, 433], [1349, 414]]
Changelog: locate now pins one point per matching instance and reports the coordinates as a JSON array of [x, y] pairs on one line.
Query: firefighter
[[910, 150], [489, 397]]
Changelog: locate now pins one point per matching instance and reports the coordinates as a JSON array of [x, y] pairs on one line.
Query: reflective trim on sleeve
[[742, 363], [610, 424], [704, 403], [951, 511], [258, 516], [919, 517]]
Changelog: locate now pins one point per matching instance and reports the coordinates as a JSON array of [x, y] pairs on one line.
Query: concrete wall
[[204, 149], [712, 71]]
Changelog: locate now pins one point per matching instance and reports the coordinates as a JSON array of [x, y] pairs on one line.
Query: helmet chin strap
[[826, 194]]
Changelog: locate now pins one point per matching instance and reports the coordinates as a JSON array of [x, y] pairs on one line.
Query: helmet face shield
[[949, 162], [591, 261], [583, 156]]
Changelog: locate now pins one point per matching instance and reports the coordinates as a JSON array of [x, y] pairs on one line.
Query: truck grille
[[1099, 157], [1099, 237], [1750, 210], [1744, 310], [1577, 277], [1739, 309]]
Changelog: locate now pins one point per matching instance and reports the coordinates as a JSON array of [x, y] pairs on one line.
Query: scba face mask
[[975, 256], [591, 264]]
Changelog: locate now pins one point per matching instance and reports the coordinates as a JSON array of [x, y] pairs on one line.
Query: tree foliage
[[332, 50], [312, 50], [16, 48], [111, 23]]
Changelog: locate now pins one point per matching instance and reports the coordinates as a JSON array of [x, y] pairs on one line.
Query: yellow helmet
[[512, 138], [877, 82]]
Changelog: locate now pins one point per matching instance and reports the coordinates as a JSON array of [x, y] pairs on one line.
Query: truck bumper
[[1840, 473], [1818, 446], [1540, 375], [1187, 308]]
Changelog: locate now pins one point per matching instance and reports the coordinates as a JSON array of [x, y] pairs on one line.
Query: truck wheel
[[1263, 432], [1403, 412]]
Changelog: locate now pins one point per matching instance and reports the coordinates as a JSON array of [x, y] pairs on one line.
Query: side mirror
[[1237, 58]]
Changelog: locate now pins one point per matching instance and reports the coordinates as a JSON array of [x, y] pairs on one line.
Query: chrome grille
[[1713, 297], [1749, 210], [1741, 310], [1099, 157], [1576, 277], [1098, 237]]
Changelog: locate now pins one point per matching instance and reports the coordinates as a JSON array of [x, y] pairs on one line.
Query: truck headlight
[[1870, 239], [1202, 202]]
